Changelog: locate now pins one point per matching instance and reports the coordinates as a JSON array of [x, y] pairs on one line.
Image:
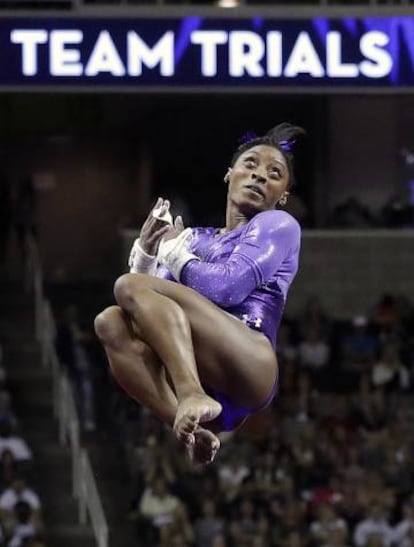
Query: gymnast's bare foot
[[193, 410], [205, 447]]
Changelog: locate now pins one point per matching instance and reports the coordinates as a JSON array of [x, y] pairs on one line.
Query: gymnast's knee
[[109, 327], [126, 290]]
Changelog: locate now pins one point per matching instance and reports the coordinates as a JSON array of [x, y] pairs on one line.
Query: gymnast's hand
[[175, 230], [156, 226]]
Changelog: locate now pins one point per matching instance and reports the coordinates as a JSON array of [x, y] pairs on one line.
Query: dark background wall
[[99, 160]]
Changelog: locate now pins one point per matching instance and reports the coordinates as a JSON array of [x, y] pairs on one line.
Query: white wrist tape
[[141, 262], [174, 253]]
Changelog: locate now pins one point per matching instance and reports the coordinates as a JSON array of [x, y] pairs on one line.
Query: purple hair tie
[[286, 146], [247, 137]]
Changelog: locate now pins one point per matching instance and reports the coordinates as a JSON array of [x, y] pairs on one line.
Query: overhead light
[[228, 3]]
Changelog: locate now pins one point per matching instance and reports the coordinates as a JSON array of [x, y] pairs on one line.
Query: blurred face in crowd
[[209, 509], [159, 487], [219, 541]]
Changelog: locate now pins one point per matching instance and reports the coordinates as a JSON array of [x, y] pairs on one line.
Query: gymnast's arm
[[268, 240]]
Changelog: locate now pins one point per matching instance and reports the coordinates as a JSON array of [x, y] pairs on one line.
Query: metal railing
[[83, 483]]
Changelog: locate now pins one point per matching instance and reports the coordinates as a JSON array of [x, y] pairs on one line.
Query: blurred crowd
[[21, 523], [329, 465], [396, 213]]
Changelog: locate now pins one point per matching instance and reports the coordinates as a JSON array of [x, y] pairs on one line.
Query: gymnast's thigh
[[231, 358]]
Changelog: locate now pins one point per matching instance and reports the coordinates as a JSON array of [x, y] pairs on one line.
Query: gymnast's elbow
[[226, 297]]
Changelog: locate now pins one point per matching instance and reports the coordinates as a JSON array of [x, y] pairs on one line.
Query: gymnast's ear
[[227, 176]]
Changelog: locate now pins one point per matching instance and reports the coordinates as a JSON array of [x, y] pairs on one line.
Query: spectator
[[314, 316], [388, 371], [208, 525], [292, 539], [398, 212], [359, 346], [327, 521], [231, 476], [9, 469], [248, 524], [71, 346], [6, 414], [219, 540], [15, 444], [403, 532], [19, 491], [351, 213], [163, 511], [314, 350], [24, 525], [374, 525]]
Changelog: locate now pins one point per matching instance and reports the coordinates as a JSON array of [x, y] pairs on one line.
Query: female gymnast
[[193, 336]]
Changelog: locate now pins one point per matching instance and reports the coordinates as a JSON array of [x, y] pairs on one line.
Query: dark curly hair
[[282, 136]]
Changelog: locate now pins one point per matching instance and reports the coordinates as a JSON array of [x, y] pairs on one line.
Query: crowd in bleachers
[[329, 465], [21, 523]]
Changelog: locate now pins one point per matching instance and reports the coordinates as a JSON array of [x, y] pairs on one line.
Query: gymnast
[[193, 335]]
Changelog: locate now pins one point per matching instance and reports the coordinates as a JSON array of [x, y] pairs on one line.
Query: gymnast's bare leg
[[141, 374], [198, 344]]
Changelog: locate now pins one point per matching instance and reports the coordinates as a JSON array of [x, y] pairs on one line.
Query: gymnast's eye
[[275, 173], [250, 161]]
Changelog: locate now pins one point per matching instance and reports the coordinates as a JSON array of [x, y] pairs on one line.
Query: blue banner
[[205, 53]]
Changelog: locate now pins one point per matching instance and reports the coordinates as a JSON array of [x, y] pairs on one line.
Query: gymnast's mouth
[[256, 189]]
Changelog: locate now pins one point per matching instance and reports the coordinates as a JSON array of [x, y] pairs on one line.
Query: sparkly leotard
[[246, 272]]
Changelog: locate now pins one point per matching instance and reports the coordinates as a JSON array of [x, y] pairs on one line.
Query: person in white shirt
[[17, 445], [19, 491], [376, 524], [403, 532]]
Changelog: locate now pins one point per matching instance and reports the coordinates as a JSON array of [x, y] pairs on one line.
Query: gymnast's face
[[258, 180]]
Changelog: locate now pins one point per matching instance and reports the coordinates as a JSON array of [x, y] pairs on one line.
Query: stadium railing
[[83, 483]]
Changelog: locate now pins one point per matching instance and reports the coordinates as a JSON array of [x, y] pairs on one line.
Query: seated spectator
[[19, 491], [72, 349], [336, 538], [293, 538], [314, 351], [398, 212], [263, 481], [351, 213], [286, 514], [372, 490], [36, 541], [332, 494], [286, 350], [248, 524], [219, 540], [388, 371], [208, 525], [15, 444], [231, 475], [315, 317], [6, 413], [359, 346], [376, 525], [327, 521], [163, 511], [403, 532], [9, 469], [23, 525]]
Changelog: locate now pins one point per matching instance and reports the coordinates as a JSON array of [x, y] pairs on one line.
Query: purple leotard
[[246, 272]]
